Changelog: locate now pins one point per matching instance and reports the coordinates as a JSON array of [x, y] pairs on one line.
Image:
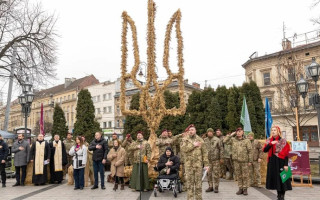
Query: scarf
[[281, 149], [39, 159], [58, 157]]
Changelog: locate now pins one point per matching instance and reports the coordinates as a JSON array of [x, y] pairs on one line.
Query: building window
[[98, 110], [72, 96], [109, 109], [250, 78], [109, 124], [98, 98], [104, 97], [64, 98], [60, 99], [109, 96], [266, 78], [118, 110], [270, 102], [94, 99], [118, 123], [104, 110], [291, 74], [104, 124], [68, 97]]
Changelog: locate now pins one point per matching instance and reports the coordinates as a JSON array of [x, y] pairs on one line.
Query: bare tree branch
[[31, 30]]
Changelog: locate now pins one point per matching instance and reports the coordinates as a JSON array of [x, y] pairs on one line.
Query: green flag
[[245, 119], [285, 175]]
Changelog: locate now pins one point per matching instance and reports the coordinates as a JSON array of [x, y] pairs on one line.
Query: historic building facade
[[276, 75]]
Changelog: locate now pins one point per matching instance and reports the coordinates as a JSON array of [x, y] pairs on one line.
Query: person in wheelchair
[[168, 164]]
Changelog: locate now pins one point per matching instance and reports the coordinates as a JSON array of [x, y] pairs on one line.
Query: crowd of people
[[233, 156]]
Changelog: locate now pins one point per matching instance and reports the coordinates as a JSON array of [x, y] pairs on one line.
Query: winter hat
[[251, 134], [209, 130], [170, 149]]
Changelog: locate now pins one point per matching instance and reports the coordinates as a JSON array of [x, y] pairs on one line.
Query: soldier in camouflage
[[215, 157], [222, 173], [110, 142], [68, 143], [126, 144], [163, 142], [242, 155], [196, 156], [228, 163], [255, 176]]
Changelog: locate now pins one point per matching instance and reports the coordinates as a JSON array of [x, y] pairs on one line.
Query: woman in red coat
[[278, 150]]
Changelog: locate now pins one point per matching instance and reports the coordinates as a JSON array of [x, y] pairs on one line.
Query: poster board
[[300, 165]]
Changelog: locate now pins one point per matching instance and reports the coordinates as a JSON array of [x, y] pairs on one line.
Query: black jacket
[[164, 159], [99, 154], [4, 150]]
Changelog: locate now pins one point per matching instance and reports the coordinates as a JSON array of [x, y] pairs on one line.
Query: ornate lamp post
[[313, 70], [25, 99]]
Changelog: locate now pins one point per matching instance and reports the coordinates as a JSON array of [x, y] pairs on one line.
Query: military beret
[[190, 126], [140, 132]]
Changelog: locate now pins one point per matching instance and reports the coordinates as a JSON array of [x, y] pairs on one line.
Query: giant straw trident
[[152, 109]]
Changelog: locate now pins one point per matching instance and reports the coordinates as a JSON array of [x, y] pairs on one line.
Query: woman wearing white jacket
[[79, 153]]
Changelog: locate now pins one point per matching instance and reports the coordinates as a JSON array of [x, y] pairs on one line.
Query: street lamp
[[313, 69], [303, 89], [25, 100]]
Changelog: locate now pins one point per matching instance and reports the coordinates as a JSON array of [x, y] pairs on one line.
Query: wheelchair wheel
[[179, 186], [175, 192], [155, 192], [160, 190]]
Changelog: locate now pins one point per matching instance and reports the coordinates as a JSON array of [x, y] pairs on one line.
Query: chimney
[[197, 85], [67, 82], [286, 44]]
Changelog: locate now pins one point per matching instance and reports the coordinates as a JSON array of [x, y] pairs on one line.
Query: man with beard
[[40, 156], [21, 150], [163, 142], [58, 160]]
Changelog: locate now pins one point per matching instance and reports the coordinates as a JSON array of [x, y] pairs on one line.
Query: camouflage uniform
[[195, 158], [163, 143], [223, 170], [242, 155], [177, 141], [227, 151], [129, 156], [255, 167], [215, 154], [68, 144]]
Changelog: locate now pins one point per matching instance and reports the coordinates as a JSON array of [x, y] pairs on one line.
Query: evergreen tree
[[194, 113], [258, 104], [86, 124], [222, 98], [233, 115], [173, 123], [213, 117], [134, 123], [59, 126]]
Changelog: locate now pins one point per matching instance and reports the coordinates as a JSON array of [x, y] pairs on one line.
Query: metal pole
[[25, 123], [13, 62], [297, 120], [318, 114]]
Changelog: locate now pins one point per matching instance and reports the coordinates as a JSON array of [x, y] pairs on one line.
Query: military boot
[[245, 191], [216, 189], [240, 191], [115, 187], [122, 186], [210, 189]]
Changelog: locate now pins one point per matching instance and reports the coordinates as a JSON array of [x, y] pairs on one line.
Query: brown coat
[[117, 164]]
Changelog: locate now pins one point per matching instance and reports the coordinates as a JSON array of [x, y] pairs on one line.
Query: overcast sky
[[219, 36]]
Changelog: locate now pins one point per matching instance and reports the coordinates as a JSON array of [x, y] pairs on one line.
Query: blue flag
[[268, 119]]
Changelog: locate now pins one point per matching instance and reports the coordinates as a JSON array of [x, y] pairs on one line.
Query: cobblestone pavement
[[63, 191]]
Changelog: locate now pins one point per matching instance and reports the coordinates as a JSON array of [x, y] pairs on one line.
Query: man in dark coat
[[4, 150], [40, 156], [168, 163], [21, 150], [58, 159], [99, 146]]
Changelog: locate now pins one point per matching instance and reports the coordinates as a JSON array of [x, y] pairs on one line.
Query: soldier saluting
[[196, 156], [242, 155]]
